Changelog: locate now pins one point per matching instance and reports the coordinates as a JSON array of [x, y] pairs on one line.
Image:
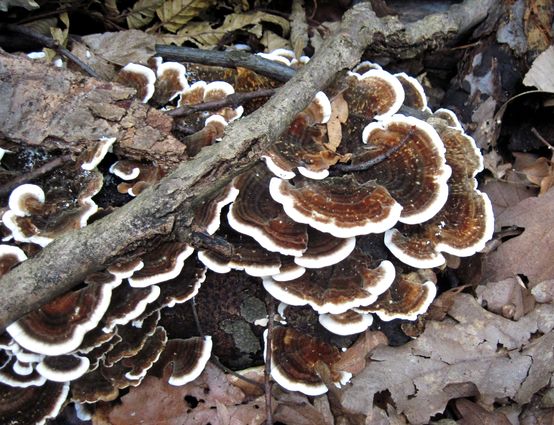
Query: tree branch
[[165, 208]]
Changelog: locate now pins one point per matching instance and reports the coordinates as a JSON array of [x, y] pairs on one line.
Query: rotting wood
[[67, 260]]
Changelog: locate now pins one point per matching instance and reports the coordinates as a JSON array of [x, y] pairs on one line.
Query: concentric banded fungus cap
[[256, 214], [10, 256], [171, 82], [141, 78], [63, 368], [213, 130], [39, 219], [347, 323], [161, 264], [133, 337], [325, 250], [207, 214], [94, 154], [247, 255], [294, 358], [335, 289], [415, 174], [59, 326], [31, 405], [340, 206], [126, 169], [148, 175], [128, 303], [414, 93], [93, 387], [304, 144], [124, 269], [375, 94], [409, 296], [183, 287], [201, 92], [183, 360], [463, 225], [15, 374]]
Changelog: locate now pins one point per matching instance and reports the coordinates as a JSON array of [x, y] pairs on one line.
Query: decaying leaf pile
[[484, 352]]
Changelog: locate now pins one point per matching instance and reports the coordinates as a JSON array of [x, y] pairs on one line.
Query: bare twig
[[233, 100], [231, 59], [270, 302], [542, 139], [43, 169], [51, 44]]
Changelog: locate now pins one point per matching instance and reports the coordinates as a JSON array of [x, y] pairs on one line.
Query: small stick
[[267, 375], [363, 166], [233, 100], [43, 169], [231, 59], [50, 43], [542, 139]]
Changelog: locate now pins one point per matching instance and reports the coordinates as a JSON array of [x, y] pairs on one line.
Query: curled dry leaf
[[529, 253], [462, 348]]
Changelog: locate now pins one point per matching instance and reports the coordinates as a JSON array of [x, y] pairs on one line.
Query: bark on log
[[166, 208]]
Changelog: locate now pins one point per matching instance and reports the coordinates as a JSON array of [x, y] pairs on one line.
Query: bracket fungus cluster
[[345, 228]]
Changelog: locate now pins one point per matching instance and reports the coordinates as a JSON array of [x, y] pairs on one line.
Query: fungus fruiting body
[[345, 228]]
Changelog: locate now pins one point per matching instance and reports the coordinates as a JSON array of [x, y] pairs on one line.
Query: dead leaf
[[26, 4], [459, 349], [530, 253], [473, 414], [272, 41], [353, 360], [537, 21], [142, 13], [122, 47], [339, 115], [544, 291], [540, 74], [174, 14], [209, 399], [509, 298], [298, 28]]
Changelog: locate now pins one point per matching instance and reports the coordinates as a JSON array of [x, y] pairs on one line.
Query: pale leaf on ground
[[122, 47], [298, 28], [540, 74], [142, 13], [174, 14], [530, 253], [459, 349]]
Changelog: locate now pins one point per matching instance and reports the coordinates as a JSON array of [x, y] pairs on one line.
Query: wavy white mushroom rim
[[344, 224]]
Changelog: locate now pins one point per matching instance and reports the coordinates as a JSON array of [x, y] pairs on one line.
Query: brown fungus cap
[[60, 326], [416, 174], [409, 296], [348, 323], [141, 78], [183, 360], [95, 153], [351, 283], [207, 214], [31, 405], [414, 94], [294, 359], [161, 264], [10, 256], [256, 214], [325, 250], [338, 205], [171, 81], [64, 368], [463, 225]]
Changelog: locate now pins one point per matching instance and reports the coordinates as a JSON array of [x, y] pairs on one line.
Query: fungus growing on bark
[[141, 78], [10, 256], [348, 323], [93, 155], [294, 358], [63, 368]]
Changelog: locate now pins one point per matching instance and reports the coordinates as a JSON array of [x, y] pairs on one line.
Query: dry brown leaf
[[122, 47], [537, 21], [473, 414], [530, 253], [272, 41], [209, 399], [462, 348], [298, 28], [339, 115], [173, 14], [142, 13], [353, 360], [509, 298]]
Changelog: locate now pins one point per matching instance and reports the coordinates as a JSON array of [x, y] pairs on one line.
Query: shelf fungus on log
[[344, 227], [295, 357]]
